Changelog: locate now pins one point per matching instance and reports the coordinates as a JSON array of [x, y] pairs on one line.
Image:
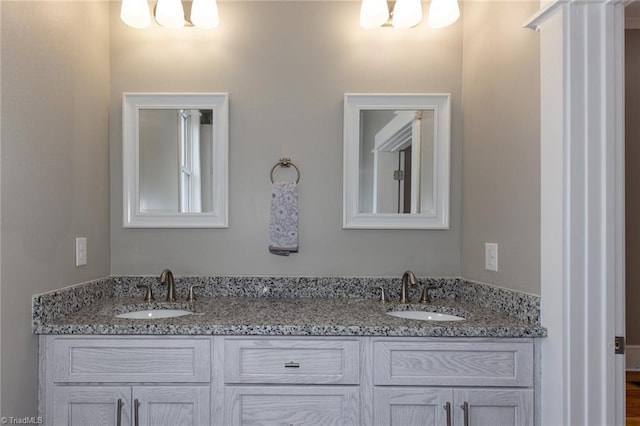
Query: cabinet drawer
[[291, 361], [453, 363], [292, 405], [130, 360]]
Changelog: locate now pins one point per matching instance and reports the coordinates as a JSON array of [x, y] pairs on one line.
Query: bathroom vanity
[[293, 380], [286, 361]]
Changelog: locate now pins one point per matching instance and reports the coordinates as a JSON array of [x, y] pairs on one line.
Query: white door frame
[[0, 222], [582, 211]]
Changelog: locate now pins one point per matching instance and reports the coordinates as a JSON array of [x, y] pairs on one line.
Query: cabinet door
[[494, 407], [171, 406], [412, 406], [292, 405], [91, 406]]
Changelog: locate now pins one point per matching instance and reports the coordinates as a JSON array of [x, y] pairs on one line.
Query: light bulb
[[373, 13], [443, 13], [135, 13], [406, 13], [204, 13], [170, 14]]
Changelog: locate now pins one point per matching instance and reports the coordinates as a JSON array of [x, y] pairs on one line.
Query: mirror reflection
[[396, 161], [176, 160]]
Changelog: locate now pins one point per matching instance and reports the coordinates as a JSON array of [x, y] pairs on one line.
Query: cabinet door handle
[[291, 364], [119, 404], [136, 412], [447, 408], [465, 409]]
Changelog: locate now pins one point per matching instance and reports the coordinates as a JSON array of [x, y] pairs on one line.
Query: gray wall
[[286, 66], [632, 185], [501, 150], [54, 85]]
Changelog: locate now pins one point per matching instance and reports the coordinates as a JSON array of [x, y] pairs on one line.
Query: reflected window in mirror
[[185, 184], [175, 160], [396, 168]]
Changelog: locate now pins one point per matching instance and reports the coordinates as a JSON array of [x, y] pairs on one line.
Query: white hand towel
[[283, 222]]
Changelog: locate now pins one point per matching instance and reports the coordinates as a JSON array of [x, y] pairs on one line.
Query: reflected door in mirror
[[396, 161]]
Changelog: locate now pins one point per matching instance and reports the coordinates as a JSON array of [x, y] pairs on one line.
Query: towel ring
[[285, 162]]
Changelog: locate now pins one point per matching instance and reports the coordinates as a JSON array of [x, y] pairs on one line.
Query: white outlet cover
[[81, 251], [491, 257]]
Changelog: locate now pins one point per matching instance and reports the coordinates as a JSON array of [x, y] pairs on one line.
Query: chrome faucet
[[407, 278], [166, 277]]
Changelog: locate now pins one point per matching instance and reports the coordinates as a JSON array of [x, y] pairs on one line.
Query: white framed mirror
[[396, 161], [175, 160]]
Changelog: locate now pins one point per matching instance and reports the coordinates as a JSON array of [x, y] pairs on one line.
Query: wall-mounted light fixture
[[170, 13], [374, 13], [443, 13], [407, 13]]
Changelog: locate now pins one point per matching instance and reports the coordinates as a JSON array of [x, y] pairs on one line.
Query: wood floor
[[633, 398]]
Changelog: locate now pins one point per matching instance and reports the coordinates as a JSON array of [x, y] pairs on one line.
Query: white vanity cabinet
[[286, 380], [126, 381], [291, 381], [448, 382]]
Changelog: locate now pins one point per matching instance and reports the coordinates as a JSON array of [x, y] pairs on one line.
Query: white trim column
[[1, 412], [582, 211]]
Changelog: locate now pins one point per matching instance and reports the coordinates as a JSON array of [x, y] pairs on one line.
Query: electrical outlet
[[81, 251], [491, 257]]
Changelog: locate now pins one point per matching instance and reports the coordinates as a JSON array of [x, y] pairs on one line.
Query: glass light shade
[[135, 13], [443, 13], [170, 14], [373, 13], [406, 13], [204, 13]]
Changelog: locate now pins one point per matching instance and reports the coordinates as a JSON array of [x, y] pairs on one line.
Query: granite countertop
[[337, 316]]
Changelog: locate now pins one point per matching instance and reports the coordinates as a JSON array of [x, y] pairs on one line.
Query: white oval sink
[[425, 316], [155, 314]]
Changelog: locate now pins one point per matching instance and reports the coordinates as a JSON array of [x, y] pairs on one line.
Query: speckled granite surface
[[287, 306], [55, 304]]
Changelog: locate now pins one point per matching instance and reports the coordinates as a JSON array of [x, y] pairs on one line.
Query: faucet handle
[[148, 295], [192, 293], [383, 296], [426, 298]]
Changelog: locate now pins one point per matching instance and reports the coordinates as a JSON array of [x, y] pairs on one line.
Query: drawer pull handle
[[120, 404], [136, 411], [447, 408], [291, 364], [465, 409]]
